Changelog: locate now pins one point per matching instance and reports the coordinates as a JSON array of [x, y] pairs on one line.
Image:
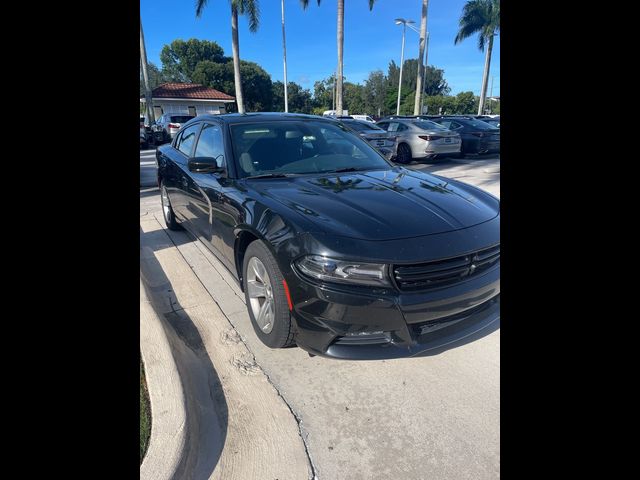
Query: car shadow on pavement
[[205, 405]]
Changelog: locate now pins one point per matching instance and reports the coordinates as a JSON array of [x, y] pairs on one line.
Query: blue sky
[[371, 40]]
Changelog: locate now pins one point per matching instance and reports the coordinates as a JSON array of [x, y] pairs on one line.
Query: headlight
[[341, 271]]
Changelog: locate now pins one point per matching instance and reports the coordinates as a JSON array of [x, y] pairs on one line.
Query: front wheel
[[265, 297]]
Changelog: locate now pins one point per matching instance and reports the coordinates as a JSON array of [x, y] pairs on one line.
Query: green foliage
[[156, 77], [300, 100], [466, 102], [179, 58], [256, 82], [375, 91]]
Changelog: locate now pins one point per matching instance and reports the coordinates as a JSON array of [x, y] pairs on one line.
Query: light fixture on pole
[[403, 22]]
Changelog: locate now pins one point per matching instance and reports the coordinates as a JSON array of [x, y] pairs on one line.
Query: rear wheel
[[404, 154], [167, 210], [265, 297]]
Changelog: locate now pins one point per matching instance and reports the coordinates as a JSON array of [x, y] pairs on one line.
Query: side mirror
[[205, 165]]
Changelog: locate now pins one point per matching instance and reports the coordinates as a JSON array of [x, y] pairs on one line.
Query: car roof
[[234, 118]]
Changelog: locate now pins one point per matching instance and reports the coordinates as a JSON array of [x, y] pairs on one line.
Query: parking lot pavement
[[483, 172], [148, 168], [429, 417]]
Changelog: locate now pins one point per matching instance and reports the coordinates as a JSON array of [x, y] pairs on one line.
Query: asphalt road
[[434, 417]]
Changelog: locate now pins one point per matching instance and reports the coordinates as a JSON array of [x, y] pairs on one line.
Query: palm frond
[[481, 17], [200, 4], [305, 4], [251, 9]]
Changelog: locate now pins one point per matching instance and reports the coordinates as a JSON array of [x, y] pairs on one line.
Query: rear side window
[[210, 144], [180, 118], [383, 125], [187, 139], [445, 123]]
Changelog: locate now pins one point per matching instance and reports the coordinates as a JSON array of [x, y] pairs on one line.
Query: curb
[[168, 413]]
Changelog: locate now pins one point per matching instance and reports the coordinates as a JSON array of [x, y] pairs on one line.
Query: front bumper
[[376, 324]]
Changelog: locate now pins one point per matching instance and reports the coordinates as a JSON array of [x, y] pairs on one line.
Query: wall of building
[[180, 107]]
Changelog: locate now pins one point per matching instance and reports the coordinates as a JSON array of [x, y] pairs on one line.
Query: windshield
[[180, 118], [428, 125], [361, 126], [298, 147]]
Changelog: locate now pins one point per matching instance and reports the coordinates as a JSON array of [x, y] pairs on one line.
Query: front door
[[207, 203]]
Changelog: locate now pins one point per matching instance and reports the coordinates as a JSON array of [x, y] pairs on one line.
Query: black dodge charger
[[336, 249]]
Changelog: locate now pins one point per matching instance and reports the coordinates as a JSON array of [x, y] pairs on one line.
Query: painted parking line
[[148, 163]]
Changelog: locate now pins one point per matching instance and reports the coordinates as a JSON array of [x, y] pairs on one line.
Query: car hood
[[382, 204]]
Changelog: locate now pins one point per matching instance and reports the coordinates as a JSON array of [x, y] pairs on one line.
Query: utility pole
[[284, 56], [145, 77]]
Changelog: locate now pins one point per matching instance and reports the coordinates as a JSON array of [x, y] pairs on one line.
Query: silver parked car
[[169, 124], [421, 139], [383, 141]]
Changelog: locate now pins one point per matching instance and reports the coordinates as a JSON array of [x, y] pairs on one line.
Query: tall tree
[[375, 92], [180, 57], [481, 17], [340, 41], [423, 34], [256, 82], [251, 9]]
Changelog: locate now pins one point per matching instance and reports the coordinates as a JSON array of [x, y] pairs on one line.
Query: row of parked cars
[[162, 130], [404, 138], [398, 138]]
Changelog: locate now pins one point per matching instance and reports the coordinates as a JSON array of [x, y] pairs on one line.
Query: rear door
[[184, 146]]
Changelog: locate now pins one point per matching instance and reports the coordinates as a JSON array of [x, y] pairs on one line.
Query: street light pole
[[424, 75], [403, 22], [284, 60]]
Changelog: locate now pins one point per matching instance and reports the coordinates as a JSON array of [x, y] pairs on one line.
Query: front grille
[[446, 272]]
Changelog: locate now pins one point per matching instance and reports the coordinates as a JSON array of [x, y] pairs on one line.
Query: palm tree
[[481, 17], [251, 9], [340, 35]]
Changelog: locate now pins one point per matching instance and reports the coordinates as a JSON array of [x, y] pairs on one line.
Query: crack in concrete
[[313, 473]]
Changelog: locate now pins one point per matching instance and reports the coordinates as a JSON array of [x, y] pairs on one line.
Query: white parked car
[[365, 118]]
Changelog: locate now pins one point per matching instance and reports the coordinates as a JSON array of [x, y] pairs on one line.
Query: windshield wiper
[[346, 169], [269, 175]]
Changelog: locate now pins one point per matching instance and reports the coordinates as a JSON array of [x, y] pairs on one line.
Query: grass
[[145, 414]]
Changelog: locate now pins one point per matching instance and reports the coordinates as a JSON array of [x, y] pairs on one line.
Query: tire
[[404, 154], [167, 210], [275, 328]]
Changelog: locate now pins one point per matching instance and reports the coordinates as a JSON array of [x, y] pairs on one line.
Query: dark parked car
[[493, 120], [379, 138], [336, 249], [477, 136]]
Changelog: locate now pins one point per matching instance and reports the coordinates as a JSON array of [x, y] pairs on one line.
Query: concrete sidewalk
[[215, 414]]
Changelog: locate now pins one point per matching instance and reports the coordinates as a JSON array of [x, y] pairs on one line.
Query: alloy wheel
[[260, 294]]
